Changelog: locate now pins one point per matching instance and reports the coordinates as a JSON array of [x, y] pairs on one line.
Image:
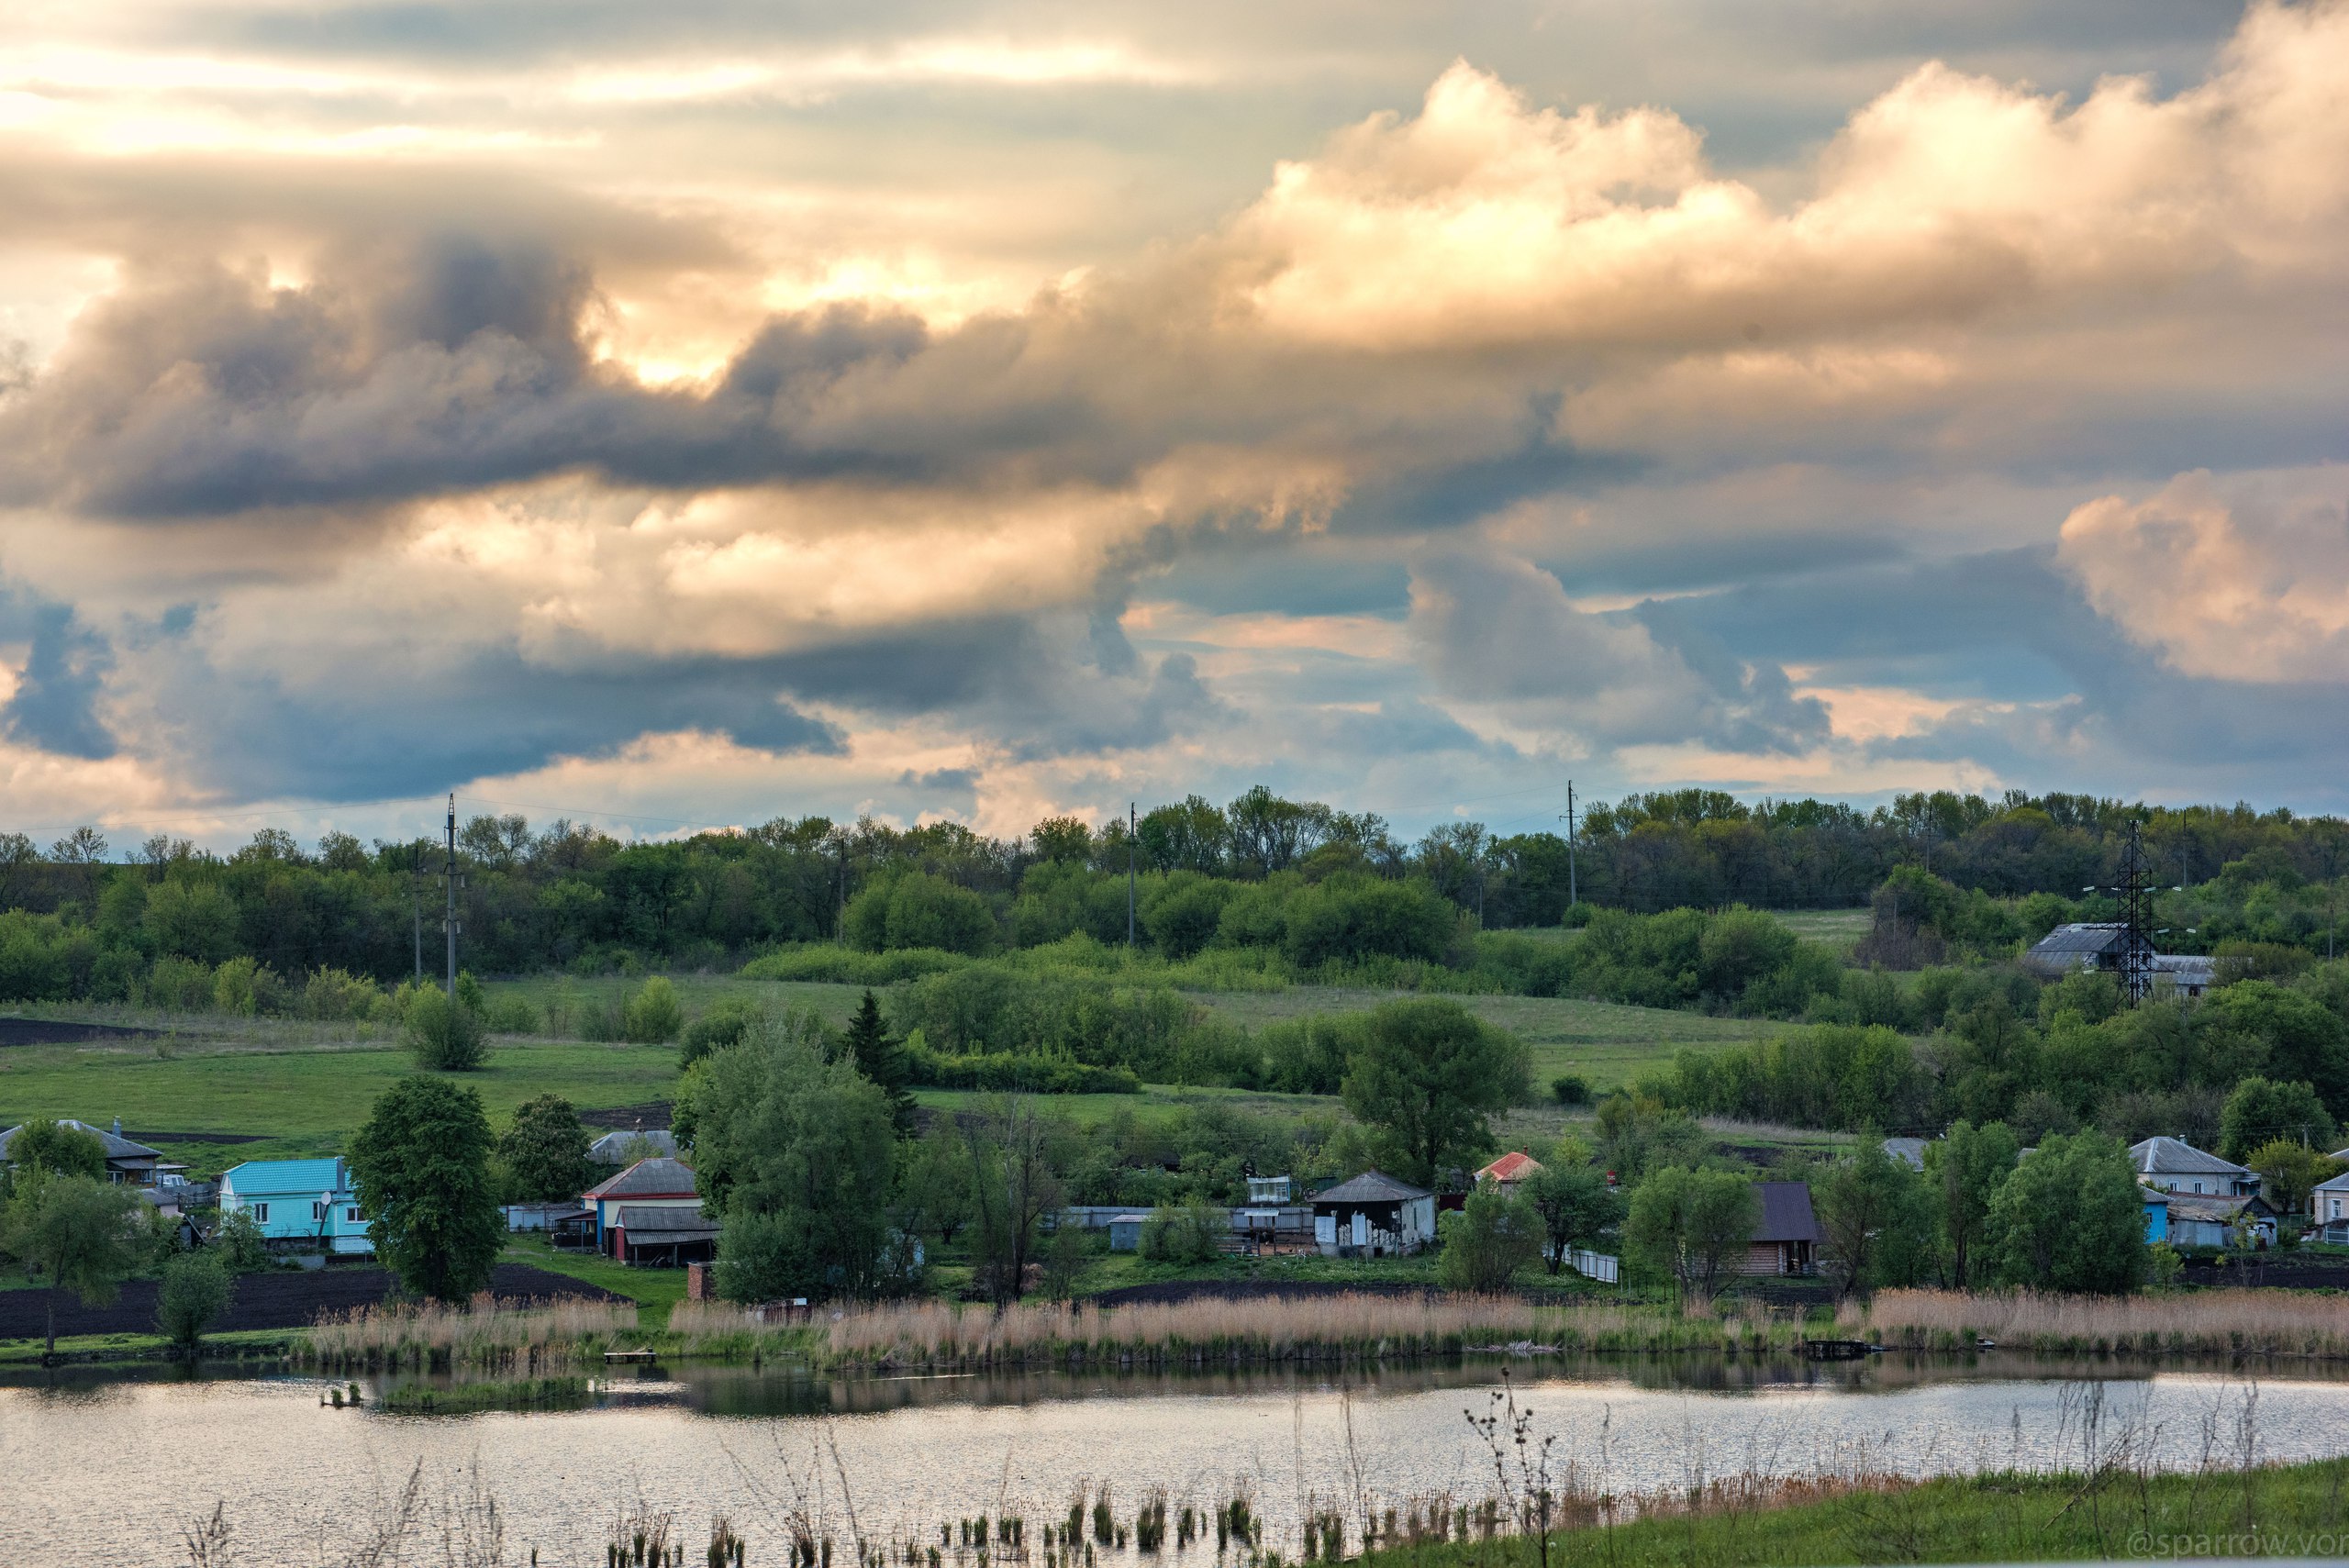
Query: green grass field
[[299, 1101], [1604, 1042], [1838, 929]]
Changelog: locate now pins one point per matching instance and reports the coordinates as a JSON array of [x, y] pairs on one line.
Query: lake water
[[110, 1470]]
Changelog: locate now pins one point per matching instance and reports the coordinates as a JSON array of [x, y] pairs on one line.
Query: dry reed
[[483, 1334], [1350, 1326], [2227, 1322]]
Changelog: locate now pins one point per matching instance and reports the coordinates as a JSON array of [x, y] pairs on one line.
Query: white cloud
[[2256, 590]]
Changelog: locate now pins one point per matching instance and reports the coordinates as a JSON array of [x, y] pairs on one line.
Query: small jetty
[[1838, 1349], [612, 1356]]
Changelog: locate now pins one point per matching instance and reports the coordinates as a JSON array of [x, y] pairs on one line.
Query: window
[[260, 1213], [318, 1211], [351, 1215]]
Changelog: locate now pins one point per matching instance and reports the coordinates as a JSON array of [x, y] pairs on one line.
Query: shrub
[[722, 1025], [837, 965], [1190, 1234], [445, 1036], [1487, 1241], [332, 993], [652, 1016], [179, 985], [1570, 1089], [511, 1015], [196, 1291]]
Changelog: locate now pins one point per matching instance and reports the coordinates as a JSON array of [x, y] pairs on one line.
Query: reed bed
[[485, 1335], [2208, 1322], [1346, 1326]]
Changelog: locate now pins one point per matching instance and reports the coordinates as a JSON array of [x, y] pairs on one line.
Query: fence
[[1606, 1269]]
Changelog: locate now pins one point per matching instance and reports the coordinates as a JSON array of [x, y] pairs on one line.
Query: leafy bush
[[334, 994], [1570, 1089], [1192, 1233], [196, 1291], [179, 985], [445, 1036], [915, 909], [1004, 1070], [510, 1014], [837, 965], [725, 1024], [653, 1016]]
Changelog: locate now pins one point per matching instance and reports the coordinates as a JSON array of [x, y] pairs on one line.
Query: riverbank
[[2272, 1511], [2265, 1323]]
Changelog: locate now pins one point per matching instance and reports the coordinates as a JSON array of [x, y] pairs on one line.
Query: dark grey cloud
[[55, 705]]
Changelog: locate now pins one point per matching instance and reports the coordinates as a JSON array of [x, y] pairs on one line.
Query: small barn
[[1372, 1216], [662, 1235], [2096, 945], [1786, 1237], [2211, 1220], [1125, 1232]]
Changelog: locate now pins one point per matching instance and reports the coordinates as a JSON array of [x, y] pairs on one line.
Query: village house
[[1509, 1171], [2098, 945], [2176, 1166], [650, 1213], [1786, 1238], [133, 1164], [298, 1204], [2329, 1208], [1372, 1216]]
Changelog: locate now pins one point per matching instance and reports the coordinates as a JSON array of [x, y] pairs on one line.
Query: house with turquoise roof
[[300, 1205]]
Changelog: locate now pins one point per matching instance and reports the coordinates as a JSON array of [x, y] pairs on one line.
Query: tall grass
[[485, 1335], [2223, 1322], [1348, 1327]]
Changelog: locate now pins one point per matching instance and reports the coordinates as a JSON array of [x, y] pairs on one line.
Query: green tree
[[724, 1025], [545, 1151], [1183, 1234], [1685, 1224], [2071, 1217], [795, 1151], [1875, 1217], [83, 1234], [934, 1183], [2258, 1108], [196, 1291], [60, 1150], [422, 1165], [2291, 1170], [882, 1061], [1487, 1241], [1429, 1077], [2306, 1041], [1575, 1207], [1014, 1182], [653, 1016], [1962, 1171], [447, 1037]]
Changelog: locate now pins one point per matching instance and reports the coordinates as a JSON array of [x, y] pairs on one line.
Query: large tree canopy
[[1427, 1078], [422, 1165]]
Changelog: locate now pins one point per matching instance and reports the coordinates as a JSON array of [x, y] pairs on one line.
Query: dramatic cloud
[[943, 410]]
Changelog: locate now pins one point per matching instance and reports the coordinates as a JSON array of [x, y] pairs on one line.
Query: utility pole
[[449, 922], [1574, 894], [416, 902], [1130, 873]]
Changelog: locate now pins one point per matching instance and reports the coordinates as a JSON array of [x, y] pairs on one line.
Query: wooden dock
[[611, 1356]]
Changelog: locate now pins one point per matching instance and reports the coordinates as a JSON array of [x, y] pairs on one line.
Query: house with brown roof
[[651, 1212]]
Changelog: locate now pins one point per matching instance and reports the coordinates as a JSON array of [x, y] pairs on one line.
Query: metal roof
[[2213, 1208], [1786, 1212], [1510, 1167], [2176, 1157], [646, 1178], [1372, 1187], [117, 1146], [1909, 1151], [673, 1222], [301, 1177], [608, 1149]]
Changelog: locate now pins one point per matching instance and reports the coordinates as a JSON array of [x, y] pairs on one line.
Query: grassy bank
[[2282, 1511], [2204, 1322]]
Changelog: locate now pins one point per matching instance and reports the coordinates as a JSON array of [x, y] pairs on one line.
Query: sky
[[689, 415]]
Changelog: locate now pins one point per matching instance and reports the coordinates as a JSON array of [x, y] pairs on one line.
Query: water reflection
[[78, 1446]]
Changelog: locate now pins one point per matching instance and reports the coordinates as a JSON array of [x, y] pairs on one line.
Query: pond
[[112, 1469]]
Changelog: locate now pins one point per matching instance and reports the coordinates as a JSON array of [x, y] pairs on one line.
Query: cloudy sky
[[701, 412]]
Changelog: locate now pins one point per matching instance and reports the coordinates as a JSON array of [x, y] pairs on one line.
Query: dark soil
[[654, 1115], [280, 1300], [50, 1031], [2272, 1271]]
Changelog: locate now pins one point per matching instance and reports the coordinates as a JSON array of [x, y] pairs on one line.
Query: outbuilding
[[648, 1185], [1786, 1237], [1372, 1216]]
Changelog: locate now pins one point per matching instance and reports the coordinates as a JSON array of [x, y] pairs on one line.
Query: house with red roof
[[1510, 1169]]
